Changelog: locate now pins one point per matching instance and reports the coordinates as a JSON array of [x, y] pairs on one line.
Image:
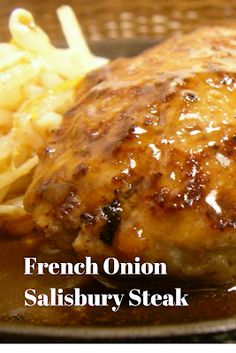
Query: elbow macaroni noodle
[[37, 86]]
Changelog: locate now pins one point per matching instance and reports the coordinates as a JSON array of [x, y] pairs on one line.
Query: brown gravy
[[204, 305]]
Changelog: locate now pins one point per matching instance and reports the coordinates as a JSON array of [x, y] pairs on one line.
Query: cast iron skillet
[[205, 331], [208, 331]]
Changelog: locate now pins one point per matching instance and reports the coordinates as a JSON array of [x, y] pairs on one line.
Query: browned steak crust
[[144, 164]]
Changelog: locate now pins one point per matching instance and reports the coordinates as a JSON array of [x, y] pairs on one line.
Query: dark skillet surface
[[222, 328]]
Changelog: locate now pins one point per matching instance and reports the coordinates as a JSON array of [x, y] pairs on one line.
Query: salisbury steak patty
[[145, 163]]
